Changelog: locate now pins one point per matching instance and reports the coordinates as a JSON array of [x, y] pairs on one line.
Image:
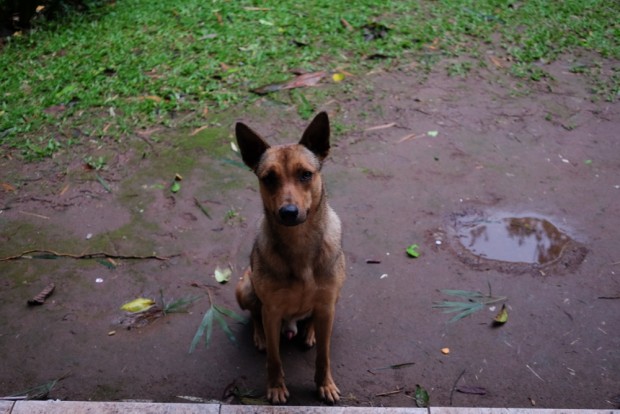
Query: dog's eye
[[305, 176], [270, 179]]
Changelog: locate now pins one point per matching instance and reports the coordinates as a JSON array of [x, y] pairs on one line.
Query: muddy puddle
[[512, 242]]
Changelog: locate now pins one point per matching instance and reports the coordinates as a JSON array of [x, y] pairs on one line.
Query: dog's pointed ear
[[251, 145], [316, 136]]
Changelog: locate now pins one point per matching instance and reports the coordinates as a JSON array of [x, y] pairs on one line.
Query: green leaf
[[206, 324], [179, 305], [225, 327], [432, 133], [413, 251], [175, 187], [454, 306], [463, 293], [475, 308], [421, 397], [222, 275], [103, 183], [231, 314]]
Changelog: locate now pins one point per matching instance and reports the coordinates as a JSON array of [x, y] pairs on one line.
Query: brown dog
[[297, 266]]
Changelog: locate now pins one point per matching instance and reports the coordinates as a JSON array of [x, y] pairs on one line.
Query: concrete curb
[[75, 407]]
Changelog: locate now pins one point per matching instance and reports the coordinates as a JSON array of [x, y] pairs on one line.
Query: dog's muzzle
[[289, 215]]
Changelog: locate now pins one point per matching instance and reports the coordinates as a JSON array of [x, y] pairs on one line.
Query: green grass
[[132, 64]]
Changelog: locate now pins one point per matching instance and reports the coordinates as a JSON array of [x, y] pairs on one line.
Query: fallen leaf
[[496, 61], [55, 109], [445, 351], [197, 130], [502, 317], [138, 305], [153, 98], [103, 183], [175, 187], [421, 397], [222, 275], [337, 77], [346, 24], [413, 251], [8, 187], [432, 133], [301, 81]]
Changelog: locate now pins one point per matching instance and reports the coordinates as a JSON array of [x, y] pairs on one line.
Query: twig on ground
[[454, 386], [388, 393], [87, 255], [34, 215], [534, 372]]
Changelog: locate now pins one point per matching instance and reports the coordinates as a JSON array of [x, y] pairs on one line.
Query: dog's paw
[[277, 395], [329, 392]]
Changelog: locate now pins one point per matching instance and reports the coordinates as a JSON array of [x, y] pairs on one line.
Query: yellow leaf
[[138, 305], [502, 316], [338, 77]]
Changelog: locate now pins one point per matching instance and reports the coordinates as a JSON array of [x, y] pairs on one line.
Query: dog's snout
[[289, 214]]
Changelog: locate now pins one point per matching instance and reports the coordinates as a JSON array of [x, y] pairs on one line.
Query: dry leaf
[[301, 81]]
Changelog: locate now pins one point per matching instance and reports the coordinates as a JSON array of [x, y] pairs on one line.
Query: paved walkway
[[75, 407]]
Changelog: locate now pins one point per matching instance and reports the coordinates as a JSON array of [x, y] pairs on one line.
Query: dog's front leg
[[323, 323], [276, 389]]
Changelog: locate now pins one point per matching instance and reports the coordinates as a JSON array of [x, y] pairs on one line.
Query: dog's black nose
[[288, 214]]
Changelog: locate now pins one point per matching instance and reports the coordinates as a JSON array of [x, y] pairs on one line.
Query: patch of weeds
[[459, 69], [233, 217], [528, 71], [305, 108], [33, 152], [95, 163], [608, 87]]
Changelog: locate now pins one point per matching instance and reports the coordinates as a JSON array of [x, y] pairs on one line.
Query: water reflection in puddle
[[511, 239]]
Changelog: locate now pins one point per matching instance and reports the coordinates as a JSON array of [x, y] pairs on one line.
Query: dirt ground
[[416, 160]]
